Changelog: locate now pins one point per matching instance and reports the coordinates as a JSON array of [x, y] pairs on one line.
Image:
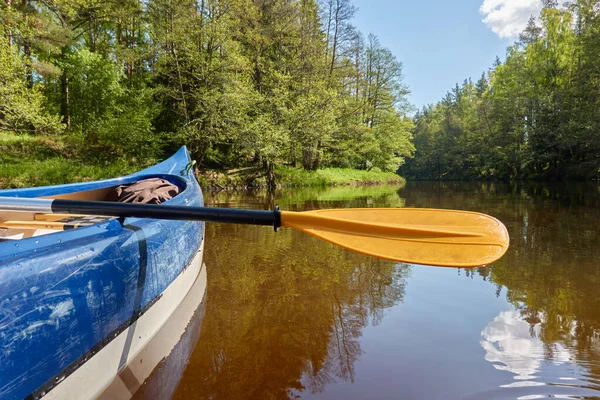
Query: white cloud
[[508, 18]]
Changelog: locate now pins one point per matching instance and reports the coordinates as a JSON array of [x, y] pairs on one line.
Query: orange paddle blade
[[413, 235]]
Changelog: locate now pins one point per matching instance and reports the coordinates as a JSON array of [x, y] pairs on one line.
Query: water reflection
[[551, 275], [286, 313], [541, 369], [311, 198], [512, 345], [552, 267]]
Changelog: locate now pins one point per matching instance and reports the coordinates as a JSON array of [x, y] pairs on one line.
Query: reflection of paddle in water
[[511, 345]]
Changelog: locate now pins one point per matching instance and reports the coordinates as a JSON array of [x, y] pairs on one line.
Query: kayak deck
[[44, 224], [16, 225]]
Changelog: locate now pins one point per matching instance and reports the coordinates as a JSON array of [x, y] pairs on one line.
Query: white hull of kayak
[[119, 369]]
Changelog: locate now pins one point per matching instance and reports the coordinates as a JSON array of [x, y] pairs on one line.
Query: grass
[[292, 177], [27, 160], [56, 171]]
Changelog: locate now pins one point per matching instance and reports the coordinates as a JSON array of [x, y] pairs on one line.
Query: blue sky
[[443, 42]]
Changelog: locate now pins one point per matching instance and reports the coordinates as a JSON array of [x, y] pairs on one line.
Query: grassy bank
[[246, 178], [28, 160], [295, 177]]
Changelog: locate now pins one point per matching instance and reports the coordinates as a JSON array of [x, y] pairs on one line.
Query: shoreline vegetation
[[254, 87], [533, 116], [242, 83], [28, 160], [289, 177]]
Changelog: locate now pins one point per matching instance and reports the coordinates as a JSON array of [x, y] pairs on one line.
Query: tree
[[336, 15], [21, 106], [537, 112]]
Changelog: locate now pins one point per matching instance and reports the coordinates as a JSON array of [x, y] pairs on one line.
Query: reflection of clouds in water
[[509, 345]]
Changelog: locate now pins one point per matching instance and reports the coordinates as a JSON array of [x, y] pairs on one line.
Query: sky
[[443, 42]]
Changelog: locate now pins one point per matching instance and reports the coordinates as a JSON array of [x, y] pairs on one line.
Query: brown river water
[[290, 316]]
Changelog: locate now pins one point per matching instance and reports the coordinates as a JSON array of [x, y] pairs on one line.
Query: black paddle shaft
[[231, 215]]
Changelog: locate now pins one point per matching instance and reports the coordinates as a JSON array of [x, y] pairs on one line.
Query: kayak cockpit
[[17, 225]]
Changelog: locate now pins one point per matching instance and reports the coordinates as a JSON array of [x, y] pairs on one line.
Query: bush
[[21, 108]]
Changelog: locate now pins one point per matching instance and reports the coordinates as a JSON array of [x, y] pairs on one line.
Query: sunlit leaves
[[538, 117], [21, 108], [240, 82]]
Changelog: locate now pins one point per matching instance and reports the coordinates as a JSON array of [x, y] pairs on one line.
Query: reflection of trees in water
[[285, 313], [372, 288], [311, 198], [552, 269]]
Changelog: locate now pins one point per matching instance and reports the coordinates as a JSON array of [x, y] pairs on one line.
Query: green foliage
[[128, 131], [21, 107], [242, 83], [289, 177], [285, 176], [95, 88], [58, 171], [255, 83], [535, 116]]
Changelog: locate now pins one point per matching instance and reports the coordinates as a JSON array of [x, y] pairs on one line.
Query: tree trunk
[[317, 157], [327, 38], [8, 25], [271, 175], [311, 157], [27, 51], [201, 36], [293, 159], [335, 42], [270, 167], [307, 158], [65, 101], [29, 67]]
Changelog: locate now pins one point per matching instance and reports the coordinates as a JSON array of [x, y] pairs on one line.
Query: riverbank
[[28, 160], [289, 177]]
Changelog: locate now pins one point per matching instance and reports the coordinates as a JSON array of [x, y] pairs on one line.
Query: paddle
[[413, 235]]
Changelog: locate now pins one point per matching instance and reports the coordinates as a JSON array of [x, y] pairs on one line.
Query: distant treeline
[[536, 116], [238, 81]]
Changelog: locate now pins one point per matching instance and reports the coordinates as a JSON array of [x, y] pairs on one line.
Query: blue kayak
[[80, 307]]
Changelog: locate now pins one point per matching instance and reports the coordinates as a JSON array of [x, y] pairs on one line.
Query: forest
[[536, 115], [262, 83], [240, 82]]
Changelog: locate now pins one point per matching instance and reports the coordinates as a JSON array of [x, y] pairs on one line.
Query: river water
[[290, 316]]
